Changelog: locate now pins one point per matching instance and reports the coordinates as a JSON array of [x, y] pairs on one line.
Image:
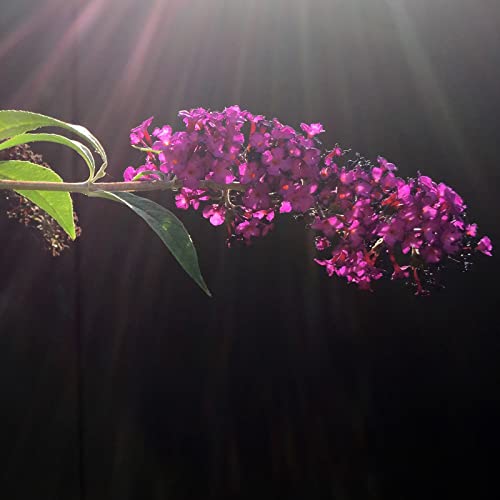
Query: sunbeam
[[29, 91]]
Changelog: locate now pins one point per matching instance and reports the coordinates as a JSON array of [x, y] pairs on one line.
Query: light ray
[[28, 93], [144, 49], [37, 18], [436, 99]]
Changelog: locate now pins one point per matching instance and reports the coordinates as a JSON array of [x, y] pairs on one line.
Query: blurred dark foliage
[[52, 237]]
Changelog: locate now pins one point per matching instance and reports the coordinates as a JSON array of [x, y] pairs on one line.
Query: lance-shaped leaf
[[80, 148], [57, 204], [168, 227], [13, 122]]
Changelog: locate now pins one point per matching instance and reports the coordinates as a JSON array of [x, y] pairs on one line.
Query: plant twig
[[89, 187]]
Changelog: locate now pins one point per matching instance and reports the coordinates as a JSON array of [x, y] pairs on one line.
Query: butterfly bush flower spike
[[243, 171]]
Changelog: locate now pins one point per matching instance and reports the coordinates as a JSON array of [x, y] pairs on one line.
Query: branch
[[86, 187]]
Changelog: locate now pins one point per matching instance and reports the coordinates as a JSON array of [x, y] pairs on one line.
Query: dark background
[[286, 384]]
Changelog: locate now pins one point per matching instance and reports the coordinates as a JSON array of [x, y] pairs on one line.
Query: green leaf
[[57, 204], [168, 227], [159, 173], [14, 122], [80, 148], [146, 150]]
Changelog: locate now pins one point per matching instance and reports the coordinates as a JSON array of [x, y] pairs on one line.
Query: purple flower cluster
[[244, 170]]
